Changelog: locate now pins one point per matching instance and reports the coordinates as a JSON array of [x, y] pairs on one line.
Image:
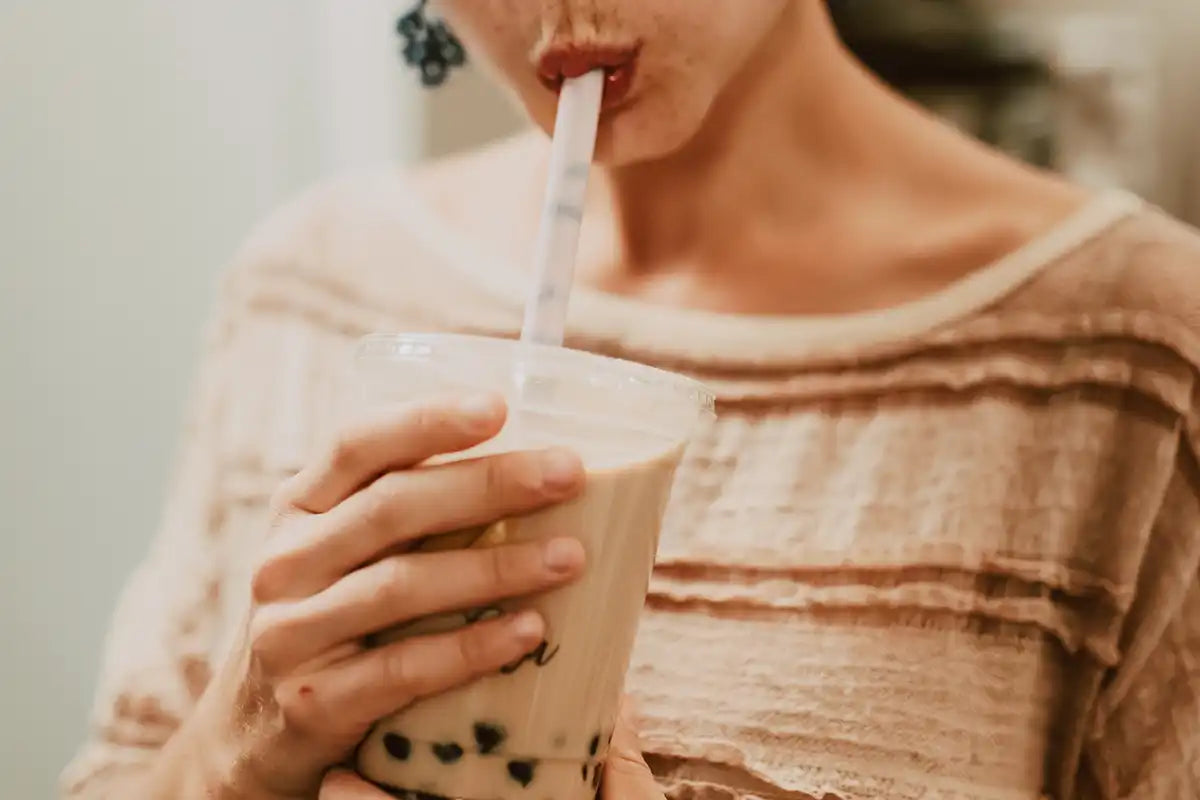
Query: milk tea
[[540, 728]]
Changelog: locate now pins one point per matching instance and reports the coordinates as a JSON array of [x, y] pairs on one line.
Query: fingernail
[[563, 555], [561, 469], [527, 625], [480, 410]]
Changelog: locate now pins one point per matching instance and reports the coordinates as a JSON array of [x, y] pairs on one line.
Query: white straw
[[562, 215]]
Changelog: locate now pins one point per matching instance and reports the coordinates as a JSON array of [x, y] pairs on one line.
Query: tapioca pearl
[[594, 746], [597, 775], [397, 746], [584, 772], [447, 752], [489, 737], [521, 771]]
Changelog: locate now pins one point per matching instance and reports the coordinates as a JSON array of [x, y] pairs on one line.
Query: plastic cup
[[540, 728]]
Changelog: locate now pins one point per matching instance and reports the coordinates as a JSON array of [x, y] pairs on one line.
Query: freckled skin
[[690, 51]]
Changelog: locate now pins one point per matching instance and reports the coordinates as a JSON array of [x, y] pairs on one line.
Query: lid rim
[[377, 347]]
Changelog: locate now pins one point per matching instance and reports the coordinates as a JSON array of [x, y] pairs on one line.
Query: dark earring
[[429, 45]]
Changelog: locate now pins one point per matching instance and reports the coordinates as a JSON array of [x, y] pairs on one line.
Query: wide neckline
[[692, 335]]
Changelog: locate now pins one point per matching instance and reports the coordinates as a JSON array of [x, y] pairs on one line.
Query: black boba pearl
[[594, 745], [597, 775], [521, 771], [489, 737], [447, 752], [398, 747], [583, 772]]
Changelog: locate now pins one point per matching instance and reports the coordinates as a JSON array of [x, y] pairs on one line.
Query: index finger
[[390, 440]]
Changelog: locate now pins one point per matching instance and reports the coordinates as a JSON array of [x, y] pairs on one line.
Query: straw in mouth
[[557, 247]]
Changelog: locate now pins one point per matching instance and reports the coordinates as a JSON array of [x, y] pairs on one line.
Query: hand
[[345, 785], [301, 690], [626, 776]]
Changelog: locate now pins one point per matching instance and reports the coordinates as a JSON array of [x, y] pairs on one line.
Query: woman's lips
[[570, 61]]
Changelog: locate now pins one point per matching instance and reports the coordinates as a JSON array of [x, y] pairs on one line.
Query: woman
[[943, 540]]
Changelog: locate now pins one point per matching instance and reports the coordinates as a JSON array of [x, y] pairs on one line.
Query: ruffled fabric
[[945, 551]]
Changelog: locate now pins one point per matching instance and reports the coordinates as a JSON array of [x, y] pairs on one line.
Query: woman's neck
[[771, 135], [812, 177]]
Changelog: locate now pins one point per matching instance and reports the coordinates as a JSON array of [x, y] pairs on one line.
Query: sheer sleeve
[[268, 379], [1145, 742], [158, 648]]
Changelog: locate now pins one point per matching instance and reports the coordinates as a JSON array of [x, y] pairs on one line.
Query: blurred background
[[141, 139]]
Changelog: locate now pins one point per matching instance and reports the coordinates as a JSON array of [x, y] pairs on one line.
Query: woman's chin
[[636, 132]]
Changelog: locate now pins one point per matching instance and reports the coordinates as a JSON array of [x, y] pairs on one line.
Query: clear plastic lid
[[556, 395]]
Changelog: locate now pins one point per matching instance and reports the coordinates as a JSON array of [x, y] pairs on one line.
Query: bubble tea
[[540, 728]]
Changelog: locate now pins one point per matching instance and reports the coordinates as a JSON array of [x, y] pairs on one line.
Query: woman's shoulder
[[1117, 310], [325, 227], [1137, 278], [388, 240], [488, 186], [1120, 309], [380, 203], [1157, 270]]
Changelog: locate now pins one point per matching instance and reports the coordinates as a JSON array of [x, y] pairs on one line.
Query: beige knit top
[[947, 550]]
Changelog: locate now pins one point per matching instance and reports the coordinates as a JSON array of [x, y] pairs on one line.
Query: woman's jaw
[[746, 144], [665, 61]]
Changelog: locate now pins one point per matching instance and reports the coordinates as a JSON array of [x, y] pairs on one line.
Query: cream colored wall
[[1175, 28], [1181, 115], [139, 142]]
